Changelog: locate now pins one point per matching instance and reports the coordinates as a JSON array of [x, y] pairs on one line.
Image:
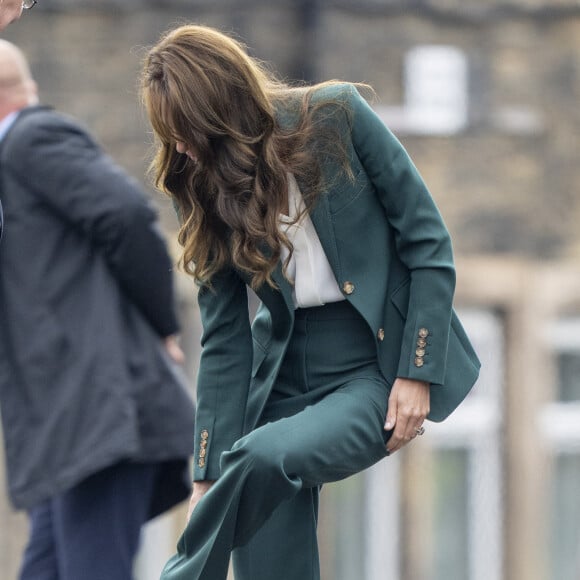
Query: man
[[10, 10], [97, 425]]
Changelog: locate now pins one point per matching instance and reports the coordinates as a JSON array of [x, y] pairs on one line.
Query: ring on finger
[[420, 430]]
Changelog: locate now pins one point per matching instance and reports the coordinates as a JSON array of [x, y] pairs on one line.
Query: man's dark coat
[[85, 299]]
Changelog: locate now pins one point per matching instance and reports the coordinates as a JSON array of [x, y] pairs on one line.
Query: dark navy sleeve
[[85, 187]]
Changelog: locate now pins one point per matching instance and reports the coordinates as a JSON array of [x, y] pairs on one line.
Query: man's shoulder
[[28, 123], [40, 125], [38, 118]]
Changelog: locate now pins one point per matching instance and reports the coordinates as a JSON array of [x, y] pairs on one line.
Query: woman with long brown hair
[[303, 195]]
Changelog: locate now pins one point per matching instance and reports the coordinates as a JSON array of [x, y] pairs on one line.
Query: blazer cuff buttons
[[421, 347], [204, 435]]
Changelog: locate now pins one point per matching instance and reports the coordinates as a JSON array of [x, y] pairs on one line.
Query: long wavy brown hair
[[200, 87]]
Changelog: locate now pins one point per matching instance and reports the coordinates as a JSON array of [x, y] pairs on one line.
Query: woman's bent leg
[[330, 440]]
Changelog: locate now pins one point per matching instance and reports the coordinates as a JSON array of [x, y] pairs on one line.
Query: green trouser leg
[[275, 553], [338, 436]]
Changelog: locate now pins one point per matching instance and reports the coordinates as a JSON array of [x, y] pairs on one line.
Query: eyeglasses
[[28, 4]]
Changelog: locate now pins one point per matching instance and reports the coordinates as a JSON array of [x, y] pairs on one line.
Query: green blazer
[[391, 254]]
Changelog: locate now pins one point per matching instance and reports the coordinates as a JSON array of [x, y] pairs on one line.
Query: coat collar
[[17, 119], [320, 216], [283, 285]]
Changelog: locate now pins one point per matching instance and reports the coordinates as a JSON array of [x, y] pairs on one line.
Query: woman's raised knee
[[253, 455]]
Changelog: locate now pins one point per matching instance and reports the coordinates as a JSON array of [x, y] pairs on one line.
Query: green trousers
[[323, 422]]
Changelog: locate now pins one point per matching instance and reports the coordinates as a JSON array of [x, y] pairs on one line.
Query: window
[[436, 88], [560, 422], [436, 93], [466, 475]]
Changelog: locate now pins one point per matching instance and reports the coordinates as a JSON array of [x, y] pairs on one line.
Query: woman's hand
[[173, 349], [408, 407], [200, 488]]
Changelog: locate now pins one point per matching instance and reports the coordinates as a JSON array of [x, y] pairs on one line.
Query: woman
[[303, 195]]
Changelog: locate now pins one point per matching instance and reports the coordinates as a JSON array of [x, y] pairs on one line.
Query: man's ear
[[32, 92]]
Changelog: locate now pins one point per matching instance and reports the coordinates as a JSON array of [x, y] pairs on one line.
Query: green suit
[[391, 255]]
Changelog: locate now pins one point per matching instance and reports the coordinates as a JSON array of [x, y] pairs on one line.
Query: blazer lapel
[[267, 294], [320, 216], [284, 286]]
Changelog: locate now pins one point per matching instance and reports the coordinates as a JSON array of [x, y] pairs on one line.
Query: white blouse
[[314, 281]]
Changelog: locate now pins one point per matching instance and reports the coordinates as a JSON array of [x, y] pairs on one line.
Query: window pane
[[565, 514], [569, 376], [450, 534]]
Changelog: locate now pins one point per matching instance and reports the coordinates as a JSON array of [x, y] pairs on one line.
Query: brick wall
[[502, 187]]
